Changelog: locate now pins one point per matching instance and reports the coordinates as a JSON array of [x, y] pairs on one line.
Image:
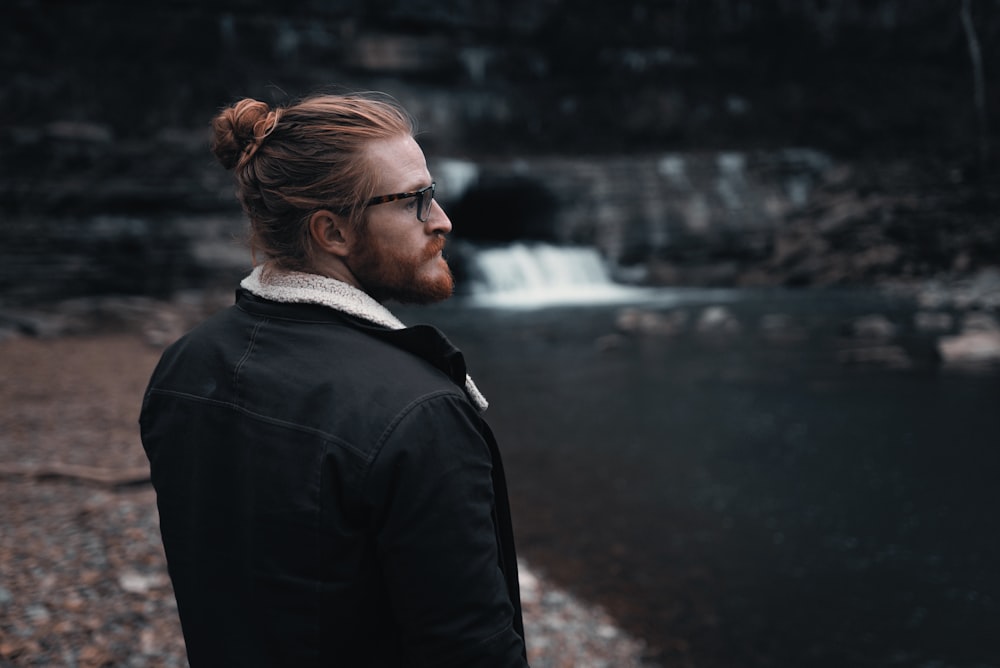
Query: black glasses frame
[[423, 200]]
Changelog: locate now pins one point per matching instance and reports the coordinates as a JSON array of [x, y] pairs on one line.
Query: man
[[329, 494]]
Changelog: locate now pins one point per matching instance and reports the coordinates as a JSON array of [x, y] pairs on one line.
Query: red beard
[[387, 274]]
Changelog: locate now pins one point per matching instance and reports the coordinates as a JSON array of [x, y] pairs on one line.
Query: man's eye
[[411, 203]]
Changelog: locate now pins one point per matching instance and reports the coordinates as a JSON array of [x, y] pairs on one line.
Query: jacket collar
[[293, 287]]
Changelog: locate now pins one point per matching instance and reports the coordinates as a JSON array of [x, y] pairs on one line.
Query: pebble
[[118, 615], [84, 575]]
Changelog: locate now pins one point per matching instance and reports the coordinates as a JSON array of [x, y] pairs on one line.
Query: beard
[[387, 274]]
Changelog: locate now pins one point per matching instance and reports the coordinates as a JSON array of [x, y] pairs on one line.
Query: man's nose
[[438, 220]]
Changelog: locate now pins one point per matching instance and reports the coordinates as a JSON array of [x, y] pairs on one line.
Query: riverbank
[[960, 316], [759, 478], [85, 581]]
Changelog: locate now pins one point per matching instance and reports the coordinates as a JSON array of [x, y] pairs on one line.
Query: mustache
[[434, 246]]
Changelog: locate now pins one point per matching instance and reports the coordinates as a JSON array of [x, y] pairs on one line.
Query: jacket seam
[[452, 658], [390, 429], [305, 321], [246, 355], [265, 418]]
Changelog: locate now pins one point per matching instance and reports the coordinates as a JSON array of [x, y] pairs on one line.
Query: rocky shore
[[957, 324], [960, 316], [84, 576], [85, 582], [107, 188]]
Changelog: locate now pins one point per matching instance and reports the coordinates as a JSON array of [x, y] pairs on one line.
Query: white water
[[524, 275]]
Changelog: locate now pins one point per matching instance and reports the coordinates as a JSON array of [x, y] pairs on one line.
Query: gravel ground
[[84, 579]]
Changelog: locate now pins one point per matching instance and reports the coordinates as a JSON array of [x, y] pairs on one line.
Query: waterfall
[[538, 274]]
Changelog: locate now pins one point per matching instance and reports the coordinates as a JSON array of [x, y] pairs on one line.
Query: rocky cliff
[[698, 142]]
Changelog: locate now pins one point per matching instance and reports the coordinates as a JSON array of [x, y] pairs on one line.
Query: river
[[751, 496]]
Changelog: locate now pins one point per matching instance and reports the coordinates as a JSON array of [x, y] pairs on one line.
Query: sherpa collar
[[295, 287]]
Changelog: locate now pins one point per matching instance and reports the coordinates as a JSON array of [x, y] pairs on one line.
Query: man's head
[[337, 185]]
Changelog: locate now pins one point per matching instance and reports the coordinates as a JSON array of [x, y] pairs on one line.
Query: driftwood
[[91, 474]]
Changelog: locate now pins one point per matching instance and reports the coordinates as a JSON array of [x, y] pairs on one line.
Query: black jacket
[[328, 496]]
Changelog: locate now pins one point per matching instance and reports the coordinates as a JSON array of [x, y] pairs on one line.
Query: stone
[[970, 347], [642, 321], [718, 319], [980, 322], [139, 583], [933, 321], [873, 327]]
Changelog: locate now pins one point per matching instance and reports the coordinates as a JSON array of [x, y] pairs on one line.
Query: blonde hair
[[291, 161]]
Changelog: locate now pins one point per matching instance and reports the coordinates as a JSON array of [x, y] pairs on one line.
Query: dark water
[[751, 500]]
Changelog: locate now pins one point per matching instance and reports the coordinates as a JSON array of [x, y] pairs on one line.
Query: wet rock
[[933, 322], [980, 322], [718, 320], [980, 291], [970, 347], [875, 327], [977, 343], [642, 321]]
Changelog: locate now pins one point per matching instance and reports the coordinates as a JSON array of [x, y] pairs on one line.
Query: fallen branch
[[92, 474]]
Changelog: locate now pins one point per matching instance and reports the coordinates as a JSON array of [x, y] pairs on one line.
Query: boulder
[[977, 343]]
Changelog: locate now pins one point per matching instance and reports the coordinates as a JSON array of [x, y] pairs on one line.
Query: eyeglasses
[[424, 198]]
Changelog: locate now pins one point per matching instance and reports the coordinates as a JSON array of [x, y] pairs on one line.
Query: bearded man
[[329, 493]]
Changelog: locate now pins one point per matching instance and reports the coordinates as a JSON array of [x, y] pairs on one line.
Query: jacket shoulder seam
[[325, 435], [400, 416], [246, 355]]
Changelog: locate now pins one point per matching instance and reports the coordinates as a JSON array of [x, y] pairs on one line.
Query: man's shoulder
[[379, 368], [288, 354]]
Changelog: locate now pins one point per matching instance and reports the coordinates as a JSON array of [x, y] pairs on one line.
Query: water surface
[[748, 498]]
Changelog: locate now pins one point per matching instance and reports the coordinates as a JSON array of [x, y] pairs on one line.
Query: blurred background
[[729, 273]]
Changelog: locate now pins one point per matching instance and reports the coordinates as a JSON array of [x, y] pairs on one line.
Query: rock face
[[645, 131], [635, 208]]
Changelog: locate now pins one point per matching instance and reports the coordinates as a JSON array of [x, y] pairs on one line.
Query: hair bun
[[238, 130]]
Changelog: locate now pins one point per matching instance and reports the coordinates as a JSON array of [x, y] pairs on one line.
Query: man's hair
[[291, 161]]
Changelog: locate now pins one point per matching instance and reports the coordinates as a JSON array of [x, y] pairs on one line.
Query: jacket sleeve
[[432, 497]]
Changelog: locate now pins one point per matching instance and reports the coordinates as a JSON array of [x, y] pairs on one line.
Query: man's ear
[[330, 233]]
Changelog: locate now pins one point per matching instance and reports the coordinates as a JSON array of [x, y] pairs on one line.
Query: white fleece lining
[[295, 287]]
